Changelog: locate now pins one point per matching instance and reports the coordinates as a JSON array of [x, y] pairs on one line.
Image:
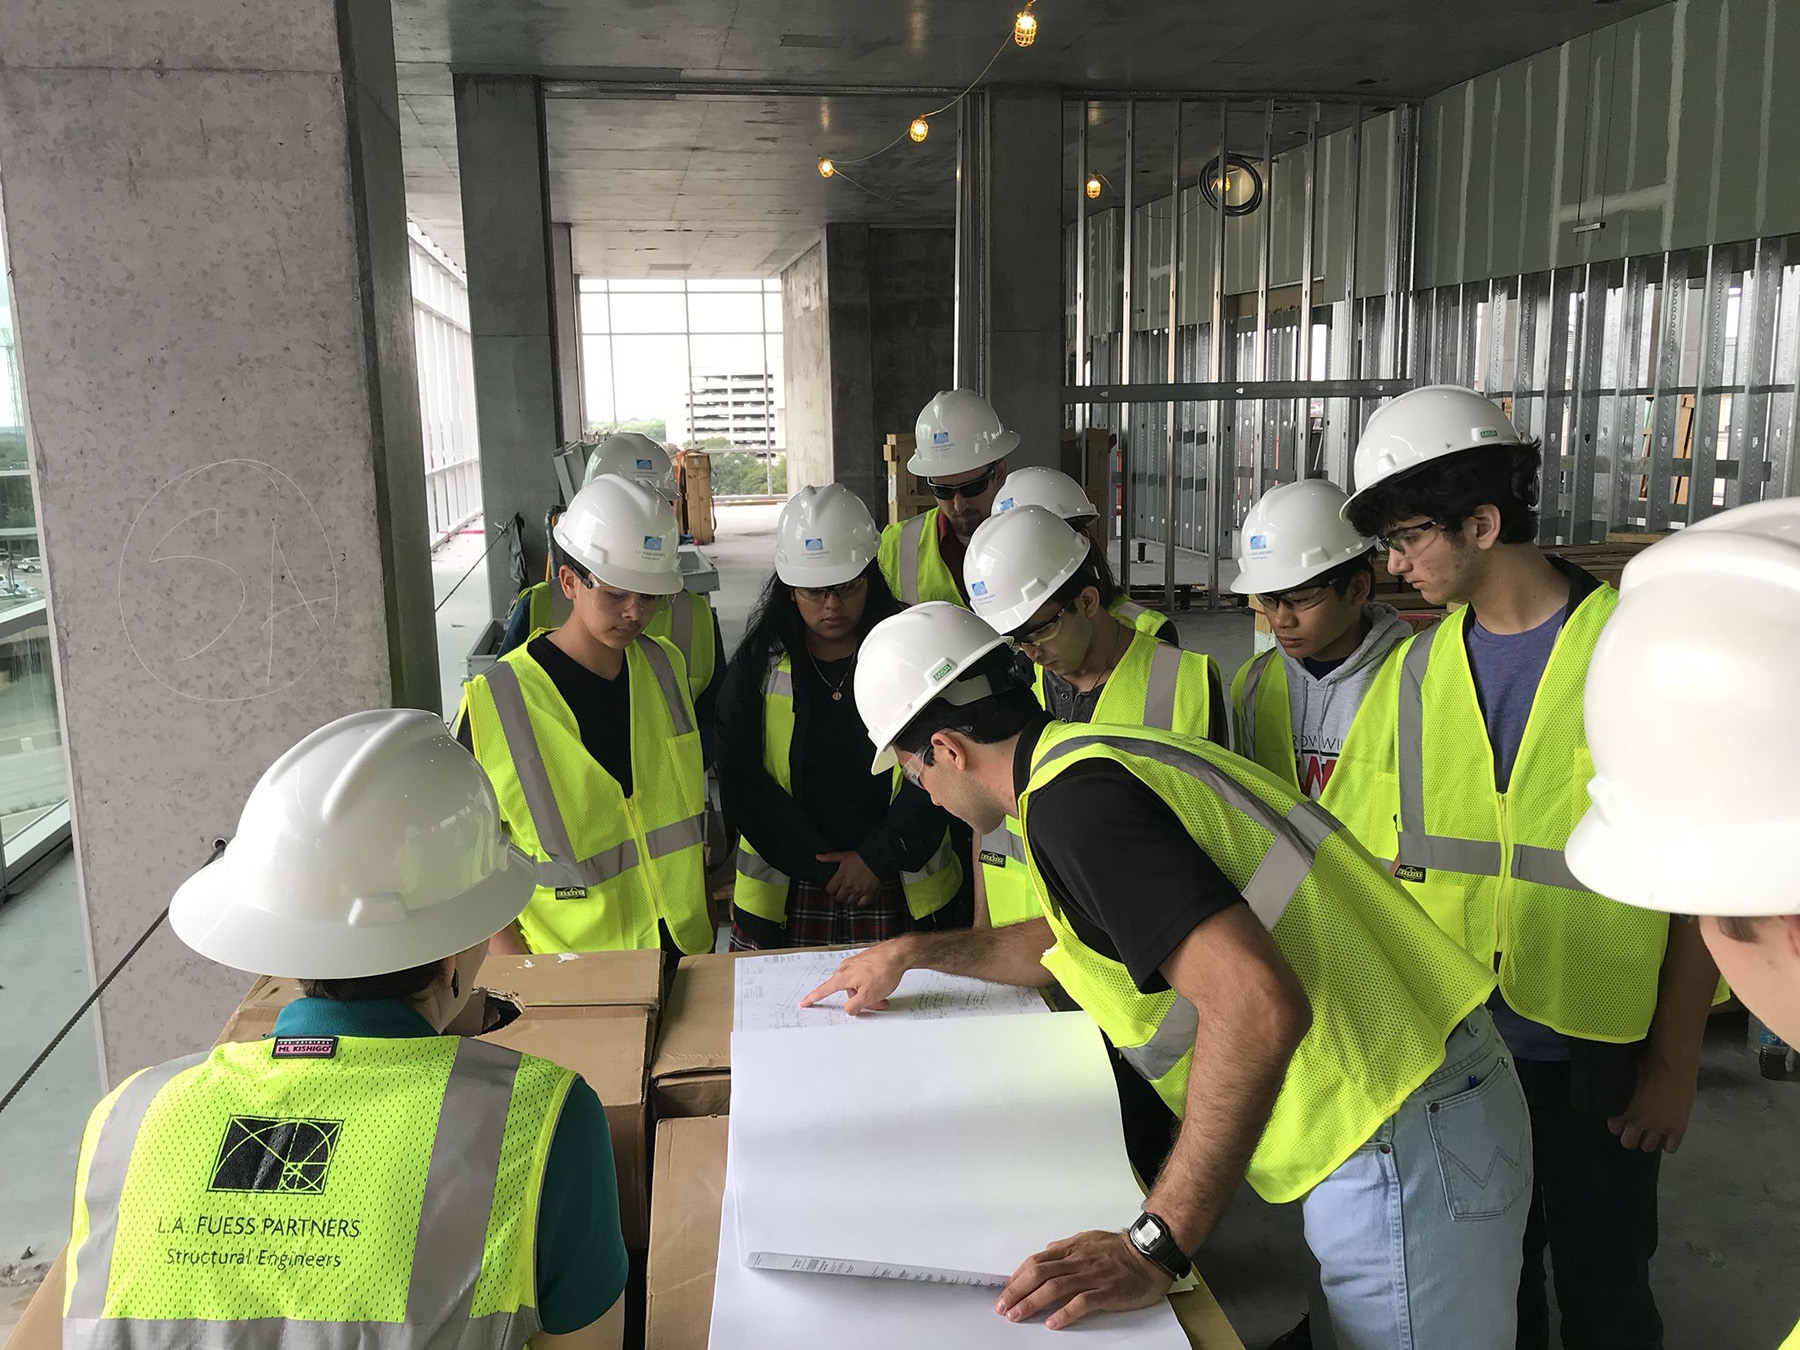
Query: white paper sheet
[[947, 1150], [766, 1309], [769, 990]]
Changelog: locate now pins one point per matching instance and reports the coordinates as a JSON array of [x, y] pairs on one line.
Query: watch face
[[1144, 1230]]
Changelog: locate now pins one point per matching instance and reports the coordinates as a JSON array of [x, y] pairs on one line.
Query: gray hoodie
[[1323, 707]]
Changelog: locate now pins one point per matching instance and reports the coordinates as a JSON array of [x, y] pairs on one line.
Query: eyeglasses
[[818, 595], [921, 762], [617, 597], [973, 488], [1032, 637], [1300, 600], [1405, 539]]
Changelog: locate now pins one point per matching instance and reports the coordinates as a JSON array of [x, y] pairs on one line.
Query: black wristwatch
[[1151, 1236]]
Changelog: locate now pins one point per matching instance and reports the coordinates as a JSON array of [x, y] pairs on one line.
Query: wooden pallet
[[907, 494]]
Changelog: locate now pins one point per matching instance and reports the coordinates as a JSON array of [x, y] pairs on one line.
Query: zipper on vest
[[648, 865], [1504, 882]]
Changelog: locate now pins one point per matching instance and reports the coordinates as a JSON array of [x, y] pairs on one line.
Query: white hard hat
[[1427, 424], [1292, 534], [1690, 720], [625, 534], [958, 431], [634, 455], [1051, 489], [912, 658], [824, 537], [373, 846], [1016, 561]]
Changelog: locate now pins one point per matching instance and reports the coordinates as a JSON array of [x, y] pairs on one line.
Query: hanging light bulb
[[826, 167], [1025, 27], [1093, 186], [919, 129]]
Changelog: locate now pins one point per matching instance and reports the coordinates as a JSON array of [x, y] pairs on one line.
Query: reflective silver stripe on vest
[[1129, 612], [681, 625], [1159, 693], [778, 681], [673, 694], [911, 534], [106, 1182], [1247, 704], [1299, 833], [447, 1254], [562, 868], [938, 861], [1445, 853], [1003, 841], [757, 868], [1173, 1038], [496, 1331], [1544, 867], [677, 835]]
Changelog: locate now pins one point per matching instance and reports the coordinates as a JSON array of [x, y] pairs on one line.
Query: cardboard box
[[577, 979], [610, 1048], [690, 1073], [41, 1326], [684, 1245]]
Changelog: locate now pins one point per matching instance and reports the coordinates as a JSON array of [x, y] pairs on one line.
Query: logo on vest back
[[993, 859], [1409, 872], [261, 1153], [303, 1047], [571, 892]]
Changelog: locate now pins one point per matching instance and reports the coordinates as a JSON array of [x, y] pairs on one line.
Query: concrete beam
[[512, 324], [571, 419]]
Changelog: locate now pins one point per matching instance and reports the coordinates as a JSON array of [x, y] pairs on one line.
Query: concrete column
[[206, 223], [571, 417], [512, 323], [1024, 266], [855, 444]]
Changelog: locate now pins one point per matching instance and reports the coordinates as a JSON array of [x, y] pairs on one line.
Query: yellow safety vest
[[1154, 685], [1133, 615], [914, 565], [685, 619], [364, 1194], [1265, 723], [1386, 987], [1418, 786], [608, 866], [763, 890]]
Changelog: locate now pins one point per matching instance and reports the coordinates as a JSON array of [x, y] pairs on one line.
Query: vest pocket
[[1483, 1143]]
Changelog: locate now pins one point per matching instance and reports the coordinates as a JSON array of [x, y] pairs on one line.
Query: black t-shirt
[[1320, 669], [602, 708], [844, 801], [1123, 868], [1066, 703]]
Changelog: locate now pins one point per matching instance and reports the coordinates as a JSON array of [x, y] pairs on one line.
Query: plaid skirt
[[814, 919]]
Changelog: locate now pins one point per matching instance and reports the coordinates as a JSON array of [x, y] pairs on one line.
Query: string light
[[826, 167], [919, 129], [1093, 186], [1025, 26]]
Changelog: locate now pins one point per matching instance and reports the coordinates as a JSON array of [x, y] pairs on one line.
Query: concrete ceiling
[[725, 184]]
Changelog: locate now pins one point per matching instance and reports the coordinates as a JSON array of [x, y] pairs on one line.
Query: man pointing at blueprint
[[1311, 1026]]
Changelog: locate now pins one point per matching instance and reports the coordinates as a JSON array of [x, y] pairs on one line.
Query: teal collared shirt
[[580, 1253]]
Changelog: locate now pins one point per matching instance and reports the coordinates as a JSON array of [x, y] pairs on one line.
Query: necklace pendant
[[837, 695]]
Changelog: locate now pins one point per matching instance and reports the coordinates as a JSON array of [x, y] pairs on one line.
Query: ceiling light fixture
[[1094, 183], [1025, 26], [826, 167], [919, 129]]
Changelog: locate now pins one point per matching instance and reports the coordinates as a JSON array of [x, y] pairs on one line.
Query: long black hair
[[776, 626]]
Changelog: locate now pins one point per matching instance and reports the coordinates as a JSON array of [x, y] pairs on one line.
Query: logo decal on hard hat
[[653, 543], [979, 588], [1259, 541], [940, 438], [645, 465], [815, 545], [943, 670], [1006, 503], [1487, 433]]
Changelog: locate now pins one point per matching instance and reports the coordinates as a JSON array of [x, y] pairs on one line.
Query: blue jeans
[[1418, 1234]]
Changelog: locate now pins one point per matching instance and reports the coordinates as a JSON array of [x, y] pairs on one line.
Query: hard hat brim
[[1739, 871], [996, 450], [885, 758], [1253, 577], [822, 574], [630, 579], [208, 913]]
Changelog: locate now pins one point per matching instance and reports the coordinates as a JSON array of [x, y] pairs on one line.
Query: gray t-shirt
[[1508, 668]]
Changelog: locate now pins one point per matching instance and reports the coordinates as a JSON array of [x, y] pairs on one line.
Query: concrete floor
[[1730, 1198]]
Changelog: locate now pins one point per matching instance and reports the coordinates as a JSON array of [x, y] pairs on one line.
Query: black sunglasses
[[973, 488]]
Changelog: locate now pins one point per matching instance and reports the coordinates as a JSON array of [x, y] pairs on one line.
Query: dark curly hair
[[1449, 490]]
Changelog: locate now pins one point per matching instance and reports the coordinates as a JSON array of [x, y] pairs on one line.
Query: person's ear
[[1790, 932], [1362, 586], [568, 581], [1089, 600], [949, 750], [1483, 525]]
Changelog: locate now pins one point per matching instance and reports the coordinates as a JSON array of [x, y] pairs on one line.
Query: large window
[[34, 789], [692, 363]]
